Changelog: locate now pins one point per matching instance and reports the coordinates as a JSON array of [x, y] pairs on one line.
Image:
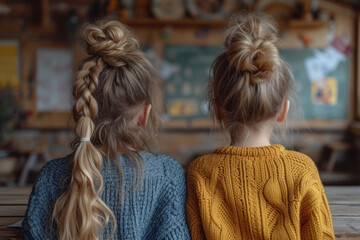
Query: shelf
[[184, 125], [319, 124], [186, 22], [49, 120], [299, 23], [11, 27], [214, 23], [313, 125]]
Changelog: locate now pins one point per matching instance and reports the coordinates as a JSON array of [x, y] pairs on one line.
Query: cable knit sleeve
[[42, 199], [315, 217], [192, 207], [169, 222]]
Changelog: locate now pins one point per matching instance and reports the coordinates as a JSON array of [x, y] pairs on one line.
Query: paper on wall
[[322, 63], [54, 77]]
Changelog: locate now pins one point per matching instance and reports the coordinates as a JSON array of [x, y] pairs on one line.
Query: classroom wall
[[183, 140]]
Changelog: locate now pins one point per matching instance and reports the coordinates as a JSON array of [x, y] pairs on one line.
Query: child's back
[[252, 189], [110, 186], [256, 193], [155, 211]]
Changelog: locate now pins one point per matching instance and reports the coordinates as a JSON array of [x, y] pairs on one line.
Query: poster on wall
[[9, 64], [324, 92], [54, 78]]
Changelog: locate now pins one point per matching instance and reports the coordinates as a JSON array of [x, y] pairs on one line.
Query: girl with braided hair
[[252, 189], [110, 187]]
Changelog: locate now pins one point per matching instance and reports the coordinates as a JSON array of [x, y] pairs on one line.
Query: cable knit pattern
[[256, 193], [156, 211]]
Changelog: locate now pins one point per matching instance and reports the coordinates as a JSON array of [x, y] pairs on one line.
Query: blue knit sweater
[[156, 211]]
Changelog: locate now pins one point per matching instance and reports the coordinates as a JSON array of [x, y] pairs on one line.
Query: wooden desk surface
[[13, 204], [344, 204]]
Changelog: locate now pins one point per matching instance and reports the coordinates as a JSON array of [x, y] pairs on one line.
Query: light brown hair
[[114, 82], [250, 80]]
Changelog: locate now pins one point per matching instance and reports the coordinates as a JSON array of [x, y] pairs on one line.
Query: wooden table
[[13, 204], [344, 204]]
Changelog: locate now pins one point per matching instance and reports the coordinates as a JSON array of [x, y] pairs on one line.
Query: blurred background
[[40, 52]]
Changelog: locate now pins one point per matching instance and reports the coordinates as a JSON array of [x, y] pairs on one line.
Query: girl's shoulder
[[161, 165], [56, 168], [302, 168], [54, 174], [207, 160], [300, 160], [58, 162]]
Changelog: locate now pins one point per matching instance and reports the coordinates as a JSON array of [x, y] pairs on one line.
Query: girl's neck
[[256, 137]]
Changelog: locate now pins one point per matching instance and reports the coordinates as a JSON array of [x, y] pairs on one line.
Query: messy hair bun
[[250, 80], [112, 41], [251, 46]]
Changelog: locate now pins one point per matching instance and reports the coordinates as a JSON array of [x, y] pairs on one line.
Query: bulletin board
[[185, 85], [322, 98], [46, 83]]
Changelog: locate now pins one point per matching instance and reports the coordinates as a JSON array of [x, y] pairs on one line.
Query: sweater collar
[[275, 149]]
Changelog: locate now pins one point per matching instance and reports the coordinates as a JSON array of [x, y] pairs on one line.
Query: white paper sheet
[[54, 77]]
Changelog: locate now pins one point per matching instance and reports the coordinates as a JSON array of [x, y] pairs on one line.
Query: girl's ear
[[284, 111], [218, 113], [143, 115]]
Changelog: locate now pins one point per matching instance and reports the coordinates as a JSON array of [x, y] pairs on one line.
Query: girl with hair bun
[[252, 189], [110, 187]]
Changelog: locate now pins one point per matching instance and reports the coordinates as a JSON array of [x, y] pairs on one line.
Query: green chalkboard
[[326, 99], [188, 70], [185, 86]]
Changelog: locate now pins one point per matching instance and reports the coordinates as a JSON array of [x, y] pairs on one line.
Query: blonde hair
[[250, 80], [113, 83]]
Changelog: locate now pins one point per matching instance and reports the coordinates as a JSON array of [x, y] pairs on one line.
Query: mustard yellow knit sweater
[[256, 193]]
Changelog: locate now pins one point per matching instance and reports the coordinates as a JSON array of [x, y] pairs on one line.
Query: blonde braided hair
[[110, 87]]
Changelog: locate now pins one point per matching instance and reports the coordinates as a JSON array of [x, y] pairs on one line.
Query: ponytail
[[79, 213]]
